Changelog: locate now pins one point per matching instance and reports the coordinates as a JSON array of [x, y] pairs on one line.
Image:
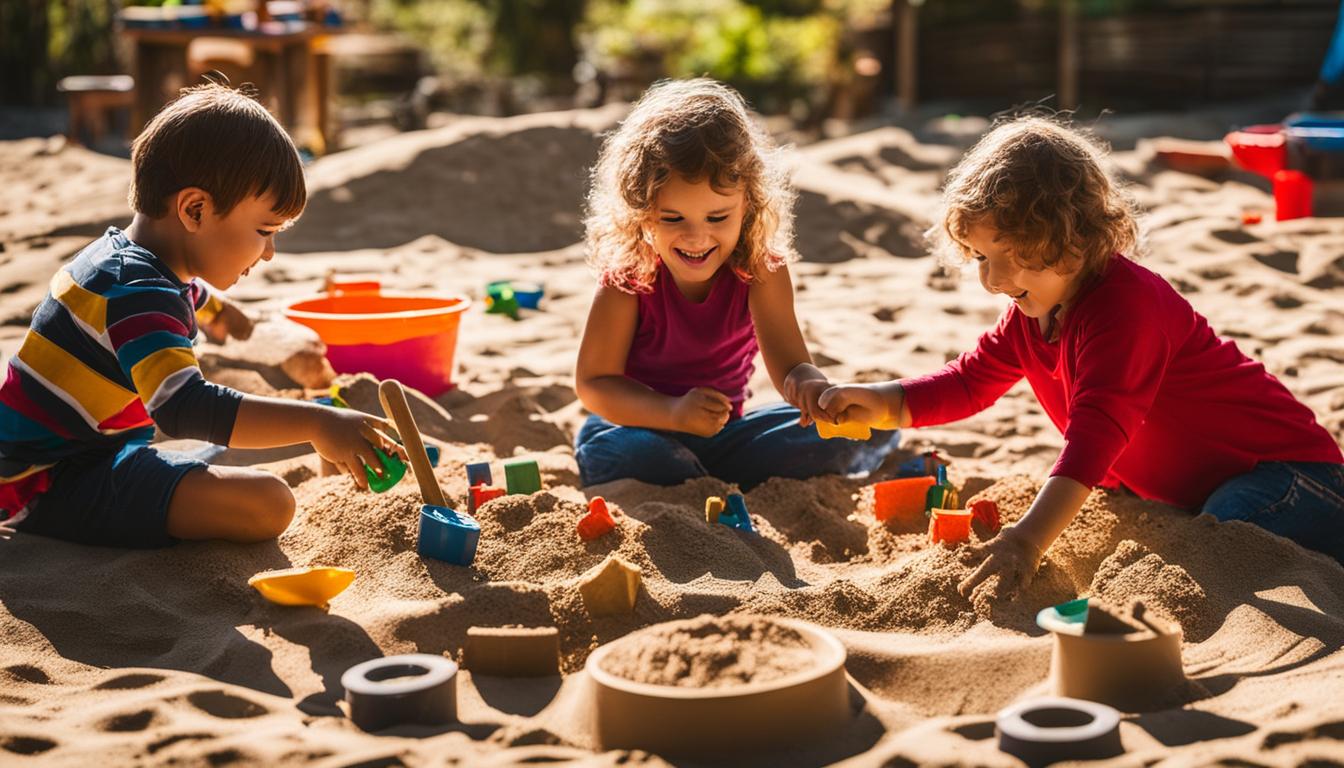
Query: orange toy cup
[[901, 498], [950, 526]]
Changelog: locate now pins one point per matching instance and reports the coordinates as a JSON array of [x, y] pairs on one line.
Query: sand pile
[[711, 652]]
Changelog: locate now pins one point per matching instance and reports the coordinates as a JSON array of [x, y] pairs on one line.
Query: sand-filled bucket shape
[[793, 704], [408, 337], [1132, 668]]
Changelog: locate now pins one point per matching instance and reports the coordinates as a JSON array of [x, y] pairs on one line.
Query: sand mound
[[711, 652]]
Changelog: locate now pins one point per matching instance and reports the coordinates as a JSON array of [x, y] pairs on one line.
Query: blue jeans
[[766, 442], [1302, 501]]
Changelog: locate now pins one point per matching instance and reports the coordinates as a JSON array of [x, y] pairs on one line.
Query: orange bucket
[[408, 337]]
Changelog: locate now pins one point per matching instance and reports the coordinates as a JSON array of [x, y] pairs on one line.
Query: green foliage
[[774, 51], [455, 33]]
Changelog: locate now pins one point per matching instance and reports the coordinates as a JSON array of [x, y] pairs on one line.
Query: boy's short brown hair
[[1048, 189], [221, 140]]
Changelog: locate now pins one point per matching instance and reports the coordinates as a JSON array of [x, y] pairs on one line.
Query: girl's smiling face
[[695, 229], [1035, 291]]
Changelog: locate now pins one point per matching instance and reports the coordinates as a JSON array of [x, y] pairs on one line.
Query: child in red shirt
[[1144, 392]]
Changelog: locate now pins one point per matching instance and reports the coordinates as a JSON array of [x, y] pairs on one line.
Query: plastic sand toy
[[942, 495], [479, 494], [987, 512], [393, 467], [735, 514], [850, 430], [598, 522], [444, 534], [713, 508], [403, 336], [902, 498], [522, 476], [949, 526], [302, 586], [527, 294], [479, 474], [500, 300]]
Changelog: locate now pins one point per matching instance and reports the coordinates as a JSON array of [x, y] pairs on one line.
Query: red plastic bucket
[[1261, 149], [403, 336]]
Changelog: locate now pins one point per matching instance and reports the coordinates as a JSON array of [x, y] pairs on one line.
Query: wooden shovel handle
[[393, 399]]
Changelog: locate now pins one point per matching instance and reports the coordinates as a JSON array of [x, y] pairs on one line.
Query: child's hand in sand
[[231, 321], [1008, 562], [347, 438], [702, 411], [860, 403]]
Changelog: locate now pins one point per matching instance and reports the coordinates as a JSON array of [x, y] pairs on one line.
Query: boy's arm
[[599, 376], [341, 436], [782, 346]]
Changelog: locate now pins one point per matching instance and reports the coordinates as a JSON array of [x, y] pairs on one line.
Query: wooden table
[[295, 79]]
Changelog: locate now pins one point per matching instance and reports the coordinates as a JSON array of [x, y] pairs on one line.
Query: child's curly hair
[[700, 130], [1048, 189]]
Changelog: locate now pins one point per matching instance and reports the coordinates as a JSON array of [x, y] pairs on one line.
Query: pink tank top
[[680, 345]]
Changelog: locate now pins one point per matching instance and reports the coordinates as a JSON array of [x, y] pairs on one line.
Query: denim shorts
[[116, 498], [1302, 501]]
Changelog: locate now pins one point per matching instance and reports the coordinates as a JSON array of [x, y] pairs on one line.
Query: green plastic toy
[[499, 300], [522, 476], [393, 470]]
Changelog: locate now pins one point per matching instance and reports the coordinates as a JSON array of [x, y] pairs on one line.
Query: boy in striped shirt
[[108, 355]]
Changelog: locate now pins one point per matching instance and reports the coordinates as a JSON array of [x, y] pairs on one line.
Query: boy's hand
[[1008, 562], [347, 438], [802, 388], [854, 402], [702, 411], [231, 321], [6, 531]]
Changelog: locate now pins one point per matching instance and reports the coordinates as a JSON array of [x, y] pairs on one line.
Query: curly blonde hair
[[1048, 189], [700, 130]]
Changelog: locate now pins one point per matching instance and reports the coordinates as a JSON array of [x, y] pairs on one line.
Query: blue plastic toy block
[[735, 514], [522, 476], [447, 535], [479, 474]]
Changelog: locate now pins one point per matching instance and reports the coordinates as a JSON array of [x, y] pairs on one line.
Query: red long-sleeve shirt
[[1144, 391]]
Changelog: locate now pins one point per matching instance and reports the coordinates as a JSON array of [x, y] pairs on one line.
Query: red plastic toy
[[1292, 195], [481, 494], [987, 512], [598, 521], [950, 526]]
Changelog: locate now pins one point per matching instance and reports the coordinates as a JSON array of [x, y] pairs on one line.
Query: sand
[[711, 652], [168, 657]]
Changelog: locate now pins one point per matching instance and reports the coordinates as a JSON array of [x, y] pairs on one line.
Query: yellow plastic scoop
[[302, 586], [852, 430]]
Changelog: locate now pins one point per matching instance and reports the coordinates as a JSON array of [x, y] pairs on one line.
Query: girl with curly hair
[[690, 229], [1145, 393]]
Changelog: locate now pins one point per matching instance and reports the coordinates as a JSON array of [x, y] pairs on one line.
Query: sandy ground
[[168, 657]]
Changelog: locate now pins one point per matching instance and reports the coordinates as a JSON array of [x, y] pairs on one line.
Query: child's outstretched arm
[[782, 346], [1009, 561], [344, 437], [600, 380]]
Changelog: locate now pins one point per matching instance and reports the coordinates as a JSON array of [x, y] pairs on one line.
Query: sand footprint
[[129, 722], [226, 705], [28, 673], [129, 682], [27, 745]]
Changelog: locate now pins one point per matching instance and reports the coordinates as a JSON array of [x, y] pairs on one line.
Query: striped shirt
[[107, 356]]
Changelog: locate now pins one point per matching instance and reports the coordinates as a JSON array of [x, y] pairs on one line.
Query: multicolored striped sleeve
[[150, 328], [207, 304]]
